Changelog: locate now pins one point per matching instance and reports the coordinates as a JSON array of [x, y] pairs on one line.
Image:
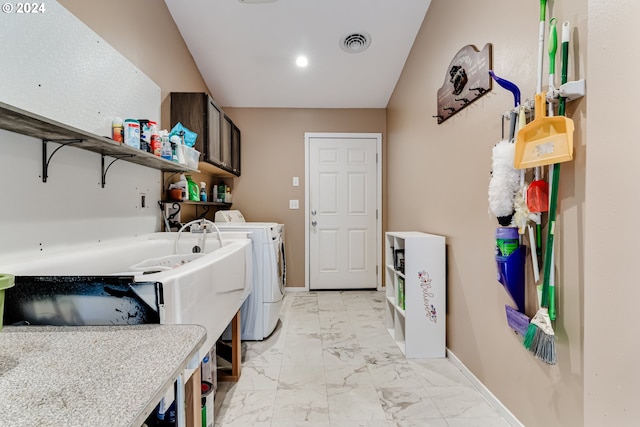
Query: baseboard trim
[[304, 289], [486, 393], [295, 289]]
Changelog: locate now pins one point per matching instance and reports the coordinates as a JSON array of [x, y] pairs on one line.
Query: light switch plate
[[294, 204], [296, 181]]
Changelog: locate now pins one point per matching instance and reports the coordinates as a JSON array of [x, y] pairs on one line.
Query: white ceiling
[[246, 52]]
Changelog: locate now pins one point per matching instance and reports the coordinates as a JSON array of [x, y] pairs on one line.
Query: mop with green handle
[[553, 45], [566, 27]]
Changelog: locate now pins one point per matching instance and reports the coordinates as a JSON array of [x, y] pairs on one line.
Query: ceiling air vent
[[355, 42]]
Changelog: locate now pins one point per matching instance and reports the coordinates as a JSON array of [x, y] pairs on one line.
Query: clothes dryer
[[260, 312]]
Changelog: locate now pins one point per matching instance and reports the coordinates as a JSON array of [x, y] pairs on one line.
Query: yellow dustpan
[[545, 140]]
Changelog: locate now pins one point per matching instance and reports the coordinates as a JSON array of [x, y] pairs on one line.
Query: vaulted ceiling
[[246, 50]]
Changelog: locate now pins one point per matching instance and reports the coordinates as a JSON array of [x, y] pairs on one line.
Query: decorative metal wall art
[[467, 79]]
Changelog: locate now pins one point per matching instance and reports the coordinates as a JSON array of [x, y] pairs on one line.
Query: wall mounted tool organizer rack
[[569, 91], [23, 122]]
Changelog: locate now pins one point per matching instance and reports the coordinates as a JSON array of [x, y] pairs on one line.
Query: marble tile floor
[[331, 363]]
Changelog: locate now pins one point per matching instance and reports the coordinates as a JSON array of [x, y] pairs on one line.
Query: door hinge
[[376, 157], [376, 213], [376, 270]]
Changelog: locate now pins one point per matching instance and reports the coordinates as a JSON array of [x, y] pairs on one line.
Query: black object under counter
[[82, 301]]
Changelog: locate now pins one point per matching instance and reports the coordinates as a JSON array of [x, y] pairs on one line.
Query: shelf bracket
[[116, 158], [203, 214], [47, 159]]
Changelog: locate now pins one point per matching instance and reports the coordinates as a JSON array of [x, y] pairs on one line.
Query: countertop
[[90, 375]]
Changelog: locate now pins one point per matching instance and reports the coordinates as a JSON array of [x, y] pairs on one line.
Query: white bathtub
[[207, 291]]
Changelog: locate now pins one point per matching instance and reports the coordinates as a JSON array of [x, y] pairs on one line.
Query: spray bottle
[[203, 191], [165, 151]]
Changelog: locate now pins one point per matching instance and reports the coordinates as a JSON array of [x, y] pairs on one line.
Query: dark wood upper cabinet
[[212, 146], [225, 141], [235, 150], [217, 140]]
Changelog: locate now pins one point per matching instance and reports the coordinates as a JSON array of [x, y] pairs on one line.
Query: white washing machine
[[260, 312]]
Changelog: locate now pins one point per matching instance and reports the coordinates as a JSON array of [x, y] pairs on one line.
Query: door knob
[[314, 223], [313, 212]]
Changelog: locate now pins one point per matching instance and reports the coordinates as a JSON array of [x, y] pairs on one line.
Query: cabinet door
[[213, 152], [235, 150], [225, 141], [188, 108]]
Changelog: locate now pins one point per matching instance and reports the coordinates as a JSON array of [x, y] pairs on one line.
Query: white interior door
[[342, 210]]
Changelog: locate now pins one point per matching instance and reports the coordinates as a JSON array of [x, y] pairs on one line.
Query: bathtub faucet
[[204, 226], [199, 226]]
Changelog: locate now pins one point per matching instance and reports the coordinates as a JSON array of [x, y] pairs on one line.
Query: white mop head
[[505, 179]]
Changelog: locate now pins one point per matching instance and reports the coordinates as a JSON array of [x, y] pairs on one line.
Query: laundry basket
[[164, 263], [6, 281]]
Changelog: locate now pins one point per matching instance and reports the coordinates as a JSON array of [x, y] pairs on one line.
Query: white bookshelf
[[418, 327]]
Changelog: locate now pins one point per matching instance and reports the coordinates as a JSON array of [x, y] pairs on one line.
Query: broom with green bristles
[[540, 338]]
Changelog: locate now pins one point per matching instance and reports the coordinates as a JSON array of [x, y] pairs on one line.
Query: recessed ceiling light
[[355, 42], [302, 61]]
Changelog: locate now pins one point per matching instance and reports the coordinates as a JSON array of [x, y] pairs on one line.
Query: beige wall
[[273, 153], [611, 349], [437, 181], [449, 164], [144, 32]]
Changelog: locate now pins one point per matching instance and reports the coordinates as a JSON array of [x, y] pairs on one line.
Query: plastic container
[[206, 388], [221, 191], [507, 240], [117, 129], [145, 135], [6, 281], [175, 143], [166, 152], [156, 143], [168, 262], [192, 190], [174, 194], [168, 417], [511, 275], [132, 133], [183, 185], [180, 149], [191, 157]]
